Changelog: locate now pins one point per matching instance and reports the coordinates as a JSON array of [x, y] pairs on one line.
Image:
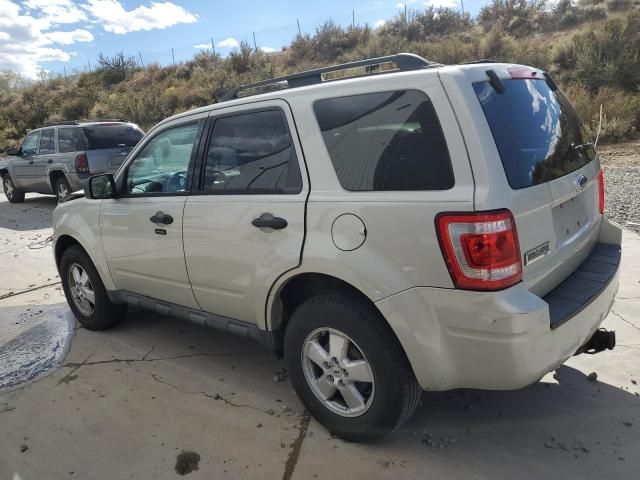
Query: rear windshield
[[538, 133], [112, 135]]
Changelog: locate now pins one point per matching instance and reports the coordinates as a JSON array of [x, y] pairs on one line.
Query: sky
[[68, 35]]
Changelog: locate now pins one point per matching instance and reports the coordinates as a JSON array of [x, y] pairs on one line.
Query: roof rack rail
[[481, 60], [106, 120], [66, 122], [405, 62]]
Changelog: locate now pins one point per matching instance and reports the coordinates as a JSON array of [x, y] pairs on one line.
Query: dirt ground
[[156, 393]]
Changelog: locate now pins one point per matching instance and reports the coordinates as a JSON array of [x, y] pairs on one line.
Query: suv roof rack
[[66, 122], [405, 62]]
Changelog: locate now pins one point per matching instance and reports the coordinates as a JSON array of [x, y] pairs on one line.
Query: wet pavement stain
[[187, 462], [32, 344]]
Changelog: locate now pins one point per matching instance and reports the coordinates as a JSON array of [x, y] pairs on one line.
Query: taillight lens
[[481, 249], [82, 164], [600, 178]]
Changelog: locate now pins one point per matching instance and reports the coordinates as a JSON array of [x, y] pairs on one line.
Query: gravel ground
[[621, 165]]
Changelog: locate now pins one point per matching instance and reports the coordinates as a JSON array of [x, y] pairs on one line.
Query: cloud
[[69, 38], [55, 12], [442, 3], [114, 18], [379, 23], [407, 3], [202, 45], [268, 49], [229, 42]]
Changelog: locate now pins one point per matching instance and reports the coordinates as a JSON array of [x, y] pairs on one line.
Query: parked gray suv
[[58, 158]]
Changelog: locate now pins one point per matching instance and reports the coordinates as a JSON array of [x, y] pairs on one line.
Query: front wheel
[[10, 191], [85, 291], [348, 368]]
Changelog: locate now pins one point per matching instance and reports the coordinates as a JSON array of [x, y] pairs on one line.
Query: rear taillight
[[481, 249], [600, 193], [81, 163]]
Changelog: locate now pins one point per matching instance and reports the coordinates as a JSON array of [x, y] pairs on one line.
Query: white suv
[[424, 228]]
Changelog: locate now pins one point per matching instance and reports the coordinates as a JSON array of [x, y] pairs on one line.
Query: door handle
[[161, 217], [30, 162], [50, 160], [266, 220]]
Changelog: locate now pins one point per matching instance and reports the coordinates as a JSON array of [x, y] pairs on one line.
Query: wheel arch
[[4, 171], [54, 175]]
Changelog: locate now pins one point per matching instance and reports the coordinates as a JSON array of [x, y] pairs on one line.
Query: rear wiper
[[581, 146]]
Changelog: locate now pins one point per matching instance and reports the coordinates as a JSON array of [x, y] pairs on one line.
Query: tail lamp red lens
[[481, 249], [81, 163], [600, 193]]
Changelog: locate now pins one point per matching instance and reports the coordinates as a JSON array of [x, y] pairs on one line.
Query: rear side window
[[111, 135], [47, 142], [69, 140], [252, 153], [538, 133], [385, 141]]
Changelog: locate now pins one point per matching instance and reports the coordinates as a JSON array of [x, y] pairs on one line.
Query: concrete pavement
[[126, 402]]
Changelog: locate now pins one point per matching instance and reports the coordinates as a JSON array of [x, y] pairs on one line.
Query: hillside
[[592, 48]]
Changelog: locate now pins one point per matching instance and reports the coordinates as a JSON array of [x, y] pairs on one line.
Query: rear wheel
[[85, 291], [10, 191], [62, 188], [348, 368]]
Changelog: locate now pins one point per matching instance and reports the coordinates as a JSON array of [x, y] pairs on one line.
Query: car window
[[47, 142], [385, 141], [111, 135], [252, 153], [162, 166], [30, 144], [69, 140]]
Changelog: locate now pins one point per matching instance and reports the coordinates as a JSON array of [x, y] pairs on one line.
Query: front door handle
[[266, 220], [50, 160], [161, 217], [30, 162]]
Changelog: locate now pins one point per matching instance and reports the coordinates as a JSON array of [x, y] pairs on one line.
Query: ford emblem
[[581, 182]]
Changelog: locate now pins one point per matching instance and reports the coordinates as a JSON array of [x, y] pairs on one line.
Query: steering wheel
[[177, 182]]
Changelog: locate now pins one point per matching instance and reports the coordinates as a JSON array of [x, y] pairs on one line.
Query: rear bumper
[[508, 339]]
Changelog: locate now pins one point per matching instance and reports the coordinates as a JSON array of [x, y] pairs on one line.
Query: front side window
[[252, 153], [69, 140], [162, 166], [47, 143], [385, 141], [30, 144]]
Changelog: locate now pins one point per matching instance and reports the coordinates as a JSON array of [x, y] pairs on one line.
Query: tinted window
[[30, 144], [47, 143], [69, 140], [385, 141], [534, 129], [111, 135], [252, 153], [162, 166]]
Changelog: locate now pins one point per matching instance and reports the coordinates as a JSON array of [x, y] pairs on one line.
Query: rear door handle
[[266, 220], [30, 162], [161, 217], [50, 160]]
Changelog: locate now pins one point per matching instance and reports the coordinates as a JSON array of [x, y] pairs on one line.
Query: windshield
[[111, 135], [538, 133]]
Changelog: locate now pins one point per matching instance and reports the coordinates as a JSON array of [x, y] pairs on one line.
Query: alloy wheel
[[337, 372], [63, 191], [81, 289], [9, 189]]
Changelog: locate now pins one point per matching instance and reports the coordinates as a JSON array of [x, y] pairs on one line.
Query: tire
[[13, 195], [389, 400], [99, 314], [62, 188]]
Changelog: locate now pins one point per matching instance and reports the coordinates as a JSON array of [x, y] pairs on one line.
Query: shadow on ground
[[33, 214]]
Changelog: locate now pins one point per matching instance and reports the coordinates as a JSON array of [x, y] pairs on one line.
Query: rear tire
[[386, 393], [62, 188], [10, 191], [85, 291]]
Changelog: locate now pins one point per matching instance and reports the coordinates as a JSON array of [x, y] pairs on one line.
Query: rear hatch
[[108, 144], [551, 171]]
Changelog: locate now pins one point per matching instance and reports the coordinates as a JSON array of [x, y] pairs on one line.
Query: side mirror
[[100, 187], [14, 152]]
